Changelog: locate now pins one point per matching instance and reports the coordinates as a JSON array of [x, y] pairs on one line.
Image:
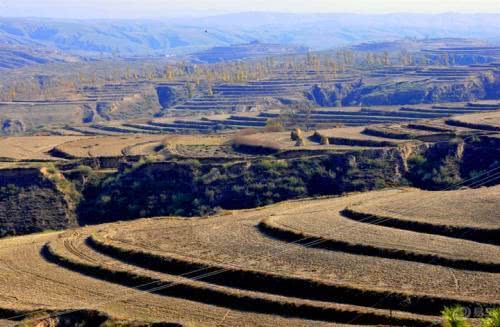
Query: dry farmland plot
[[30, 283], [366, 236], [206, 151], [410, 204], [282, 140], [109, 146], [235, 239], [32, 147], [484, 121], [354, 136], [199, 146], [245, 263]]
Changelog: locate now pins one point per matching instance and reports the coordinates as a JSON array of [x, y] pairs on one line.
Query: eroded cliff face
[[486, 86], [139, 105], [479, 155], [29, 203], [33, 200], [456, 164], [167, 96], [191, 188]]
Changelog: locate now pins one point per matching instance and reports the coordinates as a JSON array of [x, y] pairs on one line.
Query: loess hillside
[[237, 268], [249, 184], [247, 86]]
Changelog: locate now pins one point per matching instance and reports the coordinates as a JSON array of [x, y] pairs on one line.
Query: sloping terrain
[[23, 265], [246, 51], [166, 95], [32, 148], [30, 202], [487, 122], [273, 265], [318, 31], [12, 57]]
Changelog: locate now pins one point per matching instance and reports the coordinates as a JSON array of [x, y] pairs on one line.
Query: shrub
[[105, 199], [438, 170], [266, 164], [492, 319], [274, 126], [454, 317], [84, 170], [417, 160], [53, 174]]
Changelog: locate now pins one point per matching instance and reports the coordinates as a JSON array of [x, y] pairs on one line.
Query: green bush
[[191, 189], [439, 169], [492, 319], [454, 317]]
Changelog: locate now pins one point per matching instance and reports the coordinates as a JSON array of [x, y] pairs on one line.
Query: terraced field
[[290, 129], [32, 147], [129, 140], [481, 227], [109, 146], [309, 259], [320, 118], [483, 121], [55, 288], [207, 147]]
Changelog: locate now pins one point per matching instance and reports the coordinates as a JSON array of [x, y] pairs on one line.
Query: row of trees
[[327, 66], [36, 88]]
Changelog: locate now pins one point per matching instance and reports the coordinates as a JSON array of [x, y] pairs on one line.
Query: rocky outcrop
[[29, 203]]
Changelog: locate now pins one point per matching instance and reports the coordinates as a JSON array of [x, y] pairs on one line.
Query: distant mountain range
[[20, 56], [180, 36], [253, 49]]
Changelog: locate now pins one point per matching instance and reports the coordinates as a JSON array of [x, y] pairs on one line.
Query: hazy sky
[[166, 8]]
